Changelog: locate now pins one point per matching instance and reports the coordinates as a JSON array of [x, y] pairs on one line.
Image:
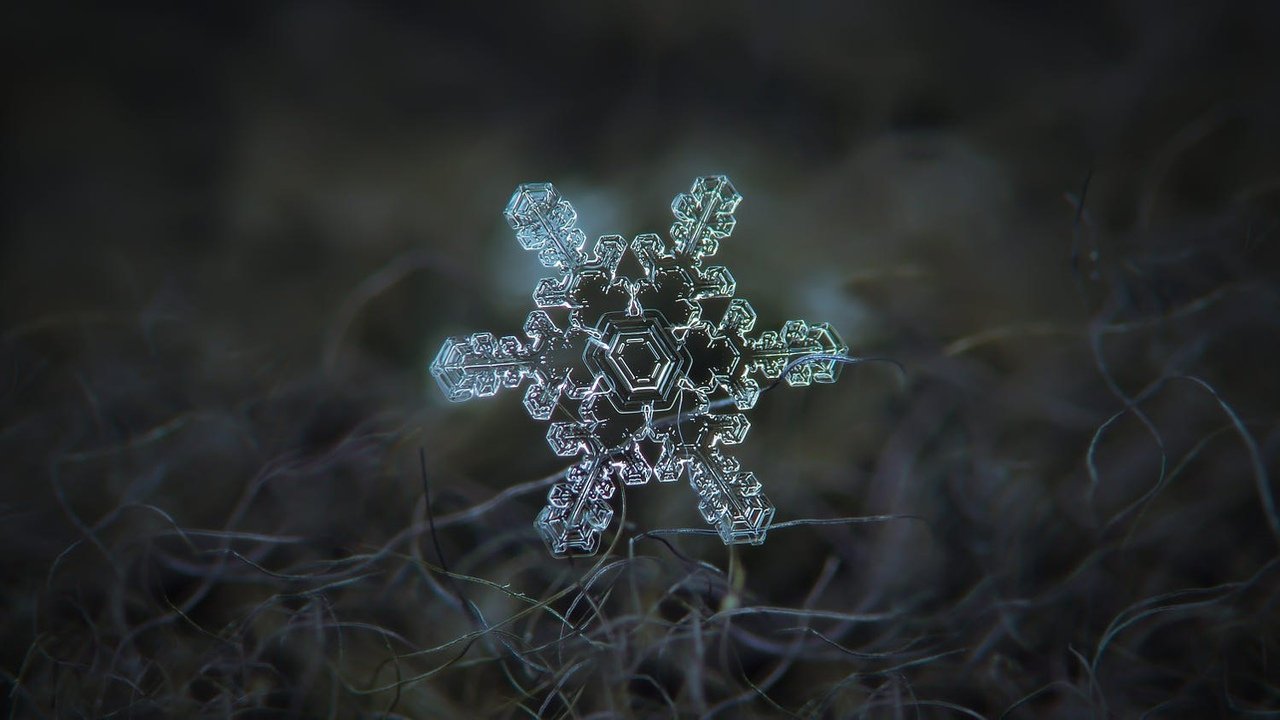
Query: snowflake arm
[[731, 501], [546, 223], [773, 352], [480, 365], [704, 216], [577, 510]]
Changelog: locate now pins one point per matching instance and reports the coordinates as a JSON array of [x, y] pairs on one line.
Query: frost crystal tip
[[650, 341]]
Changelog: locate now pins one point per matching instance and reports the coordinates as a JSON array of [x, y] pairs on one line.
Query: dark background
[[235, 234]]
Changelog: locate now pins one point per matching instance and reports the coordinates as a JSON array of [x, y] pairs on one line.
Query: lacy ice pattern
[[650, 344]]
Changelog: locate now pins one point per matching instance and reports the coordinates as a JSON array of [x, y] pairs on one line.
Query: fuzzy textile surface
[[235, 235]]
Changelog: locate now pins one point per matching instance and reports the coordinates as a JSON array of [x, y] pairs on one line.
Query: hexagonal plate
[[639, 360]]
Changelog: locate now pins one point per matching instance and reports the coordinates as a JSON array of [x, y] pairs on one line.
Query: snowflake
[[652, 343]]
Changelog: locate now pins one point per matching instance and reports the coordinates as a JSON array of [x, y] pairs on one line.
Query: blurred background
[[234, 235]]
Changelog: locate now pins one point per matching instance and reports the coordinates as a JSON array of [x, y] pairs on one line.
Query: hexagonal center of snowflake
[[639, 360]]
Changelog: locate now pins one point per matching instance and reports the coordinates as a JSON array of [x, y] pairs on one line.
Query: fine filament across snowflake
[[648, 331]]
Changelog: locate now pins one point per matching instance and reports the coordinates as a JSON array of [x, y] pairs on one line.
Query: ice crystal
[[651, 342]]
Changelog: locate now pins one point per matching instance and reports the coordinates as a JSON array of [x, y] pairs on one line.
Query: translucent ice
[[650, 341]]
